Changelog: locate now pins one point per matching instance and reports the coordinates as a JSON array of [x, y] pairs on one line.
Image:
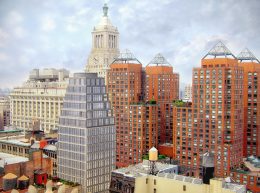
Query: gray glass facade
[[87, 135]]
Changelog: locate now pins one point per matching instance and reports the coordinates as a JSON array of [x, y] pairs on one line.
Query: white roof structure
[[36, 145], [50, 147], [219, 50], [247, 55], [6, 158], [126, 57], [159, 60], [142, 169], [16, 142]]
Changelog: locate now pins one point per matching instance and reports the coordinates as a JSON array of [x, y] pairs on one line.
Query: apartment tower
[[162, 86], [251, 66], [124, 80], [86, 136], [214, 121], [141, 100]]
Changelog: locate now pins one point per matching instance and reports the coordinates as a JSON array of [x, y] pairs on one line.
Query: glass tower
[[87, 138]]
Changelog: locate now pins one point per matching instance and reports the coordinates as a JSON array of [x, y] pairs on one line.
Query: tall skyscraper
[[162, 85], [86, 136], [251, 102], [124, 87], [40, 97], [214, 122], [141, 100], [105, 46]]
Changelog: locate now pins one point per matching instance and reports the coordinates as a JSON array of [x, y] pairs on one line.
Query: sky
[[57, 34]]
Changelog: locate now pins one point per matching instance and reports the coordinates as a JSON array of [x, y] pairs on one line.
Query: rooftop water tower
[[207, 167], [153, 157]]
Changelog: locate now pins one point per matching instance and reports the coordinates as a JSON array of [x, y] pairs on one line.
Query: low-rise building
[[20, 166], [248, 174], [136, 179], [15, 145], [49, 148]]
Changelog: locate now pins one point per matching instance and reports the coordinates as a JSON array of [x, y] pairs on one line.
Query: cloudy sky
[[49, 33]]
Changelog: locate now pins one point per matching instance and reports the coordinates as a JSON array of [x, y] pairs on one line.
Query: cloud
[[48, 24], [3, 57], [19, 32], [4, 36], [14, 17], [58, 33]]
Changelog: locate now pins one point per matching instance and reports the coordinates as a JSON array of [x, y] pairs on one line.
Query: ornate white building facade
[[105, 46], [39, 98]]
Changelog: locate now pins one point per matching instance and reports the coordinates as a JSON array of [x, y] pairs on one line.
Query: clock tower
[[105, 46]]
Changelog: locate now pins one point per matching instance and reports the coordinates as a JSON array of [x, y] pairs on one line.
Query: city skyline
[[59, 34]]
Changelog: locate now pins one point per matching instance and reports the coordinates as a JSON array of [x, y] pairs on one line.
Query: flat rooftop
[[142, 169], [15, 140], [6, 158]]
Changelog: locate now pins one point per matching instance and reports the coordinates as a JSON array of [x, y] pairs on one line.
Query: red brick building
[[214, 122], [27, 168], [248, 174], [142, 105], [251, 67], [124, 80]]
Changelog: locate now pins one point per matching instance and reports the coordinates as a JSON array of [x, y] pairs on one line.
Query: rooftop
[[50, 147], [16, 140], [219, 50], [180, 178], [6, 158], [250, 167], [246, 55], [142, 169], [126, 57], [12, 130], [159, 60], [226, 184], [48, 74]]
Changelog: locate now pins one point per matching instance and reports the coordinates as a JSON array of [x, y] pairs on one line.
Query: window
[[184, 187], [154, 190], [146, 180], [154, 181]]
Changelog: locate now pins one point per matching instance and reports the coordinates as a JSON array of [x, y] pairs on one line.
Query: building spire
[[105, 10]]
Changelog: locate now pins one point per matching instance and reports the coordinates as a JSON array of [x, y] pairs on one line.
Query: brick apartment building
[[214, 121], [142, 105]]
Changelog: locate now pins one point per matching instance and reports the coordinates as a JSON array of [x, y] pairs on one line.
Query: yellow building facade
[[138, 179], [156, 184], [40, 98]]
